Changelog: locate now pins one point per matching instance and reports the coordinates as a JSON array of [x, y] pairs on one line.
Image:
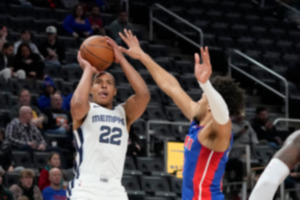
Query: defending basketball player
[[209, 139], [101, 130], [278, 169]]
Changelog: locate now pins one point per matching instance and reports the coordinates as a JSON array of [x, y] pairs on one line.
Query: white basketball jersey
[[101, 143]]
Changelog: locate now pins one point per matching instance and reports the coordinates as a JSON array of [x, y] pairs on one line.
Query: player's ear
[[115, 91]]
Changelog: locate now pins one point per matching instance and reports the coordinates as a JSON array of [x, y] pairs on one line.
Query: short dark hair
[[22, 90], [19, 54], [232, 93], [102, 73], [7, 44], [260, 109]]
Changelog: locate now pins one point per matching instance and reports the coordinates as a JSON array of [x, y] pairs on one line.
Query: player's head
[[104, 89], [231, 93]]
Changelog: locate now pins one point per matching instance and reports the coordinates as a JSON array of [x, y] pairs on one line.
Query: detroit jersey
[[101, 144], [203, 168]]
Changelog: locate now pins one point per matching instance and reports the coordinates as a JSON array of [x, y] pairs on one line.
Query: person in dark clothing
[[30, 62], [5, 158], [58, 119], [264, 128], [52, 49], [26, 187], [7, 63], [96, 21], [5, 194]]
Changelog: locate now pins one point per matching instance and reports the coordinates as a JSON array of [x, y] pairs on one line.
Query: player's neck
[[205, 119]]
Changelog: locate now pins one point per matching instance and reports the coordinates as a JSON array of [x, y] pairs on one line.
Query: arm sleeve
[[67, 24], [44, 180], [274, 174], [217, 104]]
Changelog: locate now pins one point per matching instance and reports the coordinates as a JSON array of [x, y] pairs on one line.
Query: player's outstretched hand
[[84, 64], [118, 55], [134, 50], [203, 70]]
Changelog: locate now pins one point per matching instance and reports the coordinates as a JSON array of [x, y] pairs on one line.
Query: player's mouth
[[103, 94]]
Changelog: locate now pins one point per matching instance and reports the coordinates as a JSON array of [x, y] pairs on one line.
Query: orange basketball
[[97, 51]]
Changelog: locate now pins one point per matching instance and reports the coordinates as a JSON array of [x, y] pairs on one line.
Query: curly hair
[[231, 92]]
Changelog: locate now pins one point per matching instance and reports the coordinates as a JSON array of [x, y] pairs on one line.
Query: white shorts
[[103, 189]]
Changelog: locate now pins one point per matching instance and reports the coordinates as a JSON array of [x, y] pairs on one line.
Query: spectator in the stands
[[25, 100], [55, 190], [7, 63], [22, 134], [119, 25], [5, 158], [52, 49], [5, 194], [26, 187], [264, 128], [3, 35], [58, 119], [30, 62], [77, 24], [53, 161], [96, 21], [44, 100], [26, 38], [242, 130]]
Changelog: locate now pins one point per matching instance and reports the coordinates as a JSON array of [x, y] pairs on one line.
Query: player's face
[[103, 90]]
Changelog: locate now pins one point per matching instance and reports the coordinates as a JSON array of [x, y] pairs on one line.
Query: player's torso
[[101, 144], [203, 169]]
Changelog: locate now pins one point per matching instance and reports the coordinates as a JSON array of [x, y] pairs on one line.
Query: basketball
[[97, 52]]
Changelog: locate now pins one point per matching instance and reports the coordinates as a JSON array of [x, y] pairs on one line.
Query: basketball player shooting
[[209, 140], [101, 130], [278, 169]]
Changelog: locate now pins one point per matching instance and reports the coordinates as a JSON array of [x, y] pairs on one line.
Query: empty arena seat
[[157, 185], [154, 112], [176, 185], [129, 163], [157, 198], [174, 114], [263, 153], [139, 127], [11, 178], [130, 183], [150, 164], [22, 158], [40, 159]]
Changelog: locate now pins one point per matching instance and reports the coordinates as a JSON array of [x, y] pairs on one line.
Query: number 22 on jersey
[[110, 135]]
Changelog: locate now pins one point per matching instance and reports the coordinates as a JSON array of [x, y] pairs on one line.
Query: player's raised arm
[[80, 100], [137, 103], [163, 79]]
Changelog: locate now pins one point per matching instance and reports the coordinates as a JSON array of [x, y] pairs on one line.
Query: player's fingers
[[197, 58], [136, 40], [124, 38], [126, 33], [124, 50], [79, 58], [131, 34]]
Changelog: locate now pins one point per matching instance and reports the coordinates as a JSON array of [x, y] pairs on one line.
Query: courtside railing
[[232, 66], [161, 8]]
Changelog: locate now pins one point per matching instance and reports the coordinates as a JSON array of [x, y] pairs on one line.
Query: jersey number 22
[[110, 135]]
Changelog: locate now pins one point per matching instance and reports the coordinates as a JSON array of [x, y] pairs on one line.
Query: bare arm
[[80, 100], [221, 120], [163, 79], [137, 103]]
